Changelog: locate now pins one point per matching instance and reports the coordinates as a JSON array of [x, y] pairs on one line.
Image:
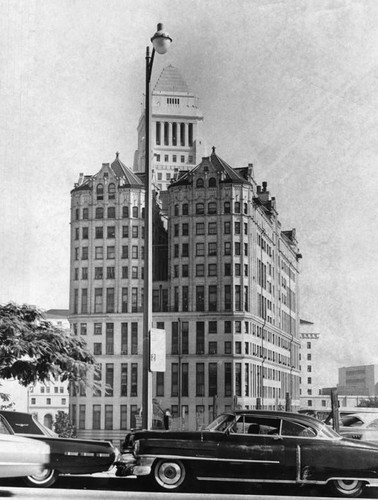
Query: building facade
[[358, 380], [176, 130], [225, 291]]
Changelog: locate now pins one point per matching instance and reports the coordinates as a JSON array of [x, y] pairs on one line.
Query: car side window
[[3, 427], [249, 424], [294, 429]]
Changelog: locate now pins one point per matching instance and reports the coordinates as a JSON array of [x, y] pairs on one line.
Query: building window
[[125, 212], [123, 417], [185, 250], [111, 212], [200, 298], [185, 380], [84, 254], [199, 183], [212, 207], [227, 347], [200, 337], [200, 269], [200, 210], [98, 300], [97, 329], [212, 182], [109, 335], [213, 379], [174, 379], [213, 348], [134, 380], [237, 207], [227, 207], [200, 249], [200, 228], [185, 270], [124, 369], [96, 417], [97, 348], [200, 379], [100, 192], [212, 270], [134, 252], [135, 212], [212, 298], [185, 209], [227, 248], [160, 384], [134, 338], [212, 248], [110, 300], [110, 273], [124, 338], [85, 213], [110, 252], [81, 417], [124, 298], [111, 191], [227, 298], [98, 275], [212, 228], [109, 379]]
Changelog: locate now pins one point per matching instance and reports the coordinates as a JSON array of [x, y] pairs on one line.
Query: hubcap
[[170, 473]]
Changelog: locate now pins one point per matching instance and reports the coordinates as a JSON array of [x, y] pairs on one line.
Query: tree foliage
[[33, 349], [63, 425], [371, 402]]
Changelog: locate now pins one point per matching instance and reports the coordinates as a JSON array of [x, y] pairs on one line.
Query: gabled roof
[[171, 81], [126, 177], [226, 173], [129, 179]]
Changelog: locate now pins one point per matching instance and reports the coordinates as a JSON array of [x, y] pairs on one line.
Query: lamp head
[[161, 40]]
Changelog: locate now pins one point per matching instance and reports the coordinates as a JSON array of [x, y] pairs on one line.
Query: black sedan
[[67, 456], [256, 447]]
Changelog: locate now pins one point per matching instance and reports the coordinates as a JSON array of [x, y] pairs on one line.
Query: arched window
[[212, 207], [199, 183], [100, 192], [111, 191], [99, 213], [212, 182], [200, 209], [227, 207], [48, 421]]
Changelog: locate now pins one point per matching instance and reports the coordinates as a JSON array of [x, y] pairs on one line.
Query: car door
[[253, 449]]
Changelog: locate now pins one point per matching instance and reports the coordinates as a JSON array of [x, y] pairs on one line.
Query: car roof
[[279, 414]]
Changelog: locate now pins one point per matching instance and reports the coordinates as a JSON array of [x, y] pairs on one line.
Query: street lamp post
[[161, 42]]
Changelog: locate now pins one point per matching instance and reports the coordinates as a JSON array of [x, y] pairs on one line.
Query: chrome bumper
[[128, 465]]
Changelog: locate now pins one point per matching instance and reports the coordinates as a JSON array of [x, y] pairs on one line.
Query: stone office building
[[228, 300]]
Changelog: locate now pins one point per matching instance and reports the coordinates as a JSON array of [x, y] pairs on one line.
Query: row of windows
[[109, 273], [63, 401], [212, 270], [111, 213], [128, 416], [47, 389], [110, 232], [212, 228], [134, 303], [212, 249], [167, 159], [110, 252], [212, 208]]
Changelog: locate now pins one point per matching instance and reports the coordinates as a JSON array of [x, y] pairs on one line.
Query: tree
[[63, 425], [33, 349], [371, 402]]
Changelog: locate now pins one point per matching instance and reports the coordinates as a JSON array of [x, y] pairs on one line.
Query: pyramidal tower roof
[[171, 81]]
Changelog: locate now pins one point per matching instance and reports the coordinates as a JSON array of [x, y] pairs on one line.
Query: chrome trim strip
[[228, 460]]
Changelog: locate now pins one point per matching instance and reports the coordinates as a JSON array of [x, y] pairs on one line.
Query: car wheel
[[348, 487], [43, 480], [170, 474]]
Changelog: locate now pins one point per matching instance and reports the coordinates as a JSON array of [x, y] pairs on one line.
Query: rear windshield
[[22, 423]]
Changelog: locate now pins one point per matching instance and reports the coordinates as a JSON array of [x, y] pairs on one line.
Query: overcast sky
[[288, 85]]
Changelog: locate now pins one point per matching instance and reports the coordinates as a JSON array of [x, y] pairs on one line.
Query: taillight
[[136, 447]]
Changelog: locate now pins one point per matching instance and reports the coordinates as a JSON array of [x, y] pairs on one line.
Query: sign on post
[[157, 350]]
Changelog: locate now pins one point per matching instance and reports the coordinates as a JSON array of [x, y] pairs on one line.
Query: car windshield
[[220, 423], [351, 421]]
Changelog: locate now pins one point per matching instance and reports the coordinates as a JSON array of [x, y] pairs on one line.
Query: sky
[[288, 85]]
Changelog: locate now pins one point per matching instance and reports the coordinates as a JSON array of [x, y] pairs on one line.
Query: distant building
[[309, 363], [176, 130], [45, 399], [358, 380]]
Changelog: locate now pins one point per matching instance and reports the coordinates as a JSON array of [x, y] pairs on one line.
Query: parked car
[[20, 456], [361, 426], [67, 455], [253, 446]]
